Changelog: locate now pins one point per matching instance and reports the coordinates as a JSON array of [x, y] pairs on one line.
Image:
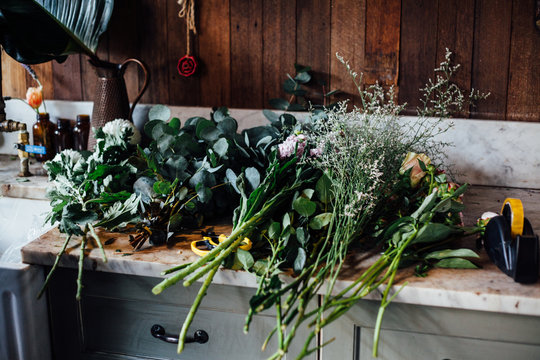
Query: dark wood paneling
[[214, 36], [246, 48], [523, 87], [491, 56], [246, 53], [182, 90], [455, 32], [153, 37], [279, 46], [313, 40], [348, 39], [67, 81], [382, 41], [418, 49]]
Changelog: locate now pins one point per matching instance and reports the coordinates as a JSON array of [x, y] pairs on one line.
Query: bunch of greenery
[[339, 181], [92, 190], [301, 93], [188, 173]]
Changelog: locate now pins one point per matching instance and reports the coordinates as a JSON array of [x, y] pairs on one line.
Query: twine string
[[187, 11]]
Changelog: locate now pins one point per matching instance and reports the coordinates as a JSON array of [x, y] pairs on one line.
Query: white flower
[[118, 127], [68, 156]]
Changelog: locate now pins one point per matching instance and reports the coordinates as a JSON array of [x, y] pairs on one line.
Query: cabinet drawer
[[116, 312]]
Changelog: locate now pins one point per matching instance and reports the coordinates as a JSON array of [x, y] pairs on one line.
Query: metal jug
[[111, 101]]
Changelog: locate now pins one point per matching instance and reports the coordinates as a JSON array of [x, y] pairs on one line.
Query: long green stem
[[193, 309], [100, 245], [56, 261], [81, 262]]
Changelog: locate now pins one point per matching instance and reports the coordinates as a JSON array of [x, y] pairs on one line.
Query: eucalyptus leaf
[[210, 133], [221, 146], [204, 193], [270, 115], [280, 104], [220, 114], [300, 261], [274, 230], [231, 177], [175, 123], [159, 112], [303, 77], [253, 177], [302, 236], [228, 126], [308, 193], [455, 263], [304, 206], [201, 125]]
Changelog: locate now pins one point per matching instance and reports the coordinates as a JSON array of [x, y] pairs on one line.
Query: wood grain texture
[[67, 82], [313, 19], [418, 49], [279, 46], [455, 32], [524, 77], [348, 39], [246, 54], [214, 52], [13, 78], [153, 35], [491, 56], [382, 42], [124, 43], [182, 90]]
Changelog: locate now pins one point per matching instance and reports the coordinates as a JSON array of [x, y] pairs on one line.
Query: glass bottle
[[43, 131], [81, 132], [62, 135]]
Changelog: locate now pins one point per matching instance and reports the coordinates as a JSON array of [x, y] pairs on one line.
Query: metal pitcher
[[111, 100]]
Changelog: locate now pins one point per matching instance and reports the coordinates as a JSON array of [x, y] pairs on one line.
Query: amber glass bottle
[[62, 135], [43, 131], [81, 132]]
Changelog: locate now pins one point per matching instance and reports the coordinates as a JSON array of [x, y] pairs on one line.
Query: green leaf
[[220, 114], [460, 190], [210, 133], [455, 263], [441, 178], [162, 187], [221, 146], [320, 221], [426, 205], [433, 232], [228, 126], [286, 221], [302, 236], [120, 213], [260, 267], [201, 125], [253, 177], [160, 112], [290, 85], [280, 104], [204, 193], [307, 193], [287, 120], [175, 123], [231, 177], [303, 77], [449, 253], [300, 261], [175, 222], [304, 206], [245, 258], [333, 92], [274, 230], [324, 189], [270, 115]]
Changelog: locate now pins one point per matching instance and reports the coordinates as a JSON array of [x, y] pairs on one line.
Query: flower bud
[[412, 161], [34, 97]]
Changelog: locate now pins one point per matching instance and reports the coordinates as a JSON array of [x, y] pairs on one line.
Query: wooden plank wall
[[246, 47]]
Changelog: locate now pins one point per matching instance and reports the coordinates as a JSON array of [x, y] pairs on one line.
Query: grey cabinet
[[116, 312], [412, 332]]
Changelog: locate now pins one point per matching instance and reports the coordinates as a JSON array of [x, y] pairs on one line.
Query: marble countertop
[[484, 289], [32, 187]]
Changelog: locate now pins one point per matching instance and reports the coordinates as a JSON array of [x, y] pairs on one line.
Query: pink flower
[[412, 161], [315, 152], [286, 149], [34, 97]]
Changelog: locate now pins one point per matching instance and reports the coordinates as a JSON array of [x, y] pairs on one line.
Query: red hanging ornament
[[187, 65]]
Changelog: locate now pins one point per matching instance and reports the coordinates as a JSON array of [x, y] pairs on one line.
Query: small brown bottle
[[81, 132], [43, 131], [62, 135]]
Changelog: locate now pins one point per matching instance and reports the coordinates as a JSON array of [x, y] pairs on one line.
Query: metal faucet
[[11, 126]]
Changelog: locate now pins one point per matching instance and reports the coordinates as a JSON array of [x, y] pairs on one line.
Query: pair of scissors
[[208, 242]]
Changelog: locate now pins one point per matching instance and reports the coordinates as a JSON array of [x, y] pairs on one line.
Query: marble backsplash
[[482, 152]]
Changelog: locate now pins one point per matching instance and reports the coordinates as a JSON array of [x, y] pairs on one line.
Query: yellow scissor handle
[[517, 216], [198, 251], [245, 244]]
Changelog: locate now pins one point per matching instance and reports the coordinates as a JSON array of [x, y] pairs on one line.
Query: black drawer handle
[[158, 331]]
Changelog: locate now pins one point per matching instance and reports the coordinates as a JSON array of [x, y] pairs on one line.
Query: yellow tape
[[517, 216]]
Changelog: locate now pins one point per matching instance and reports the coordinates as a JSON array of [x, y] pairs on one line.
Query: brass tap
[[22, 140], [10, 126]]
